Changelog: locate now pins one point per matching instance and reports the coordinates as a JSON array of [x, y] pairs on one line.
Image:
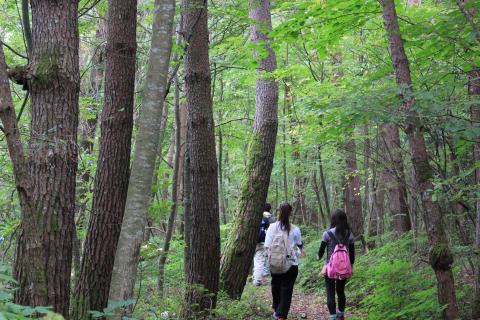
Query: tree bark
[[240, 246], [284, 146], [441, 257], [395, 178], [45, 180], [223, 208], [323, 183], [27, 29], [187, 206], [353, 199], [202, 278], [474, 90], [111, 180], [315, 221], [143, 165]]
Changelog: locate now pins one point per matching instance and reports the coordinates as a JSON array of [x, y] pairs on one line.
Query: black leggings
[[331, 285], [282, 290]]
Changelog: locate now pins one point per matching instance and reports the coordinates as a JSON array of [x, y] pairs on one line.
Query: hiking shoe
[[274, 316], [340, 317]]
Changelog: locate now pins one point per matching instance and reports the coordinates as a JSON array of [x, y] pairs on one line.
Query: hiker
[[283, 240], [260, 259], [337, 238]]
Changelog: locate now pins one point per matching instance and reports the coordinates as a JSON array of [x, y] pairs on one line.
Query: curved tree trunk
[[111, 180], [143, 165], [46, 180], [441, 257], [202, 277], [240, 246]]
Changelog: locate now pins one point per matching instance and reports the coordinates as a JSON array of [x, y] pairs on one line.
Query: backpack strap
[[287, 245], [333, 237]]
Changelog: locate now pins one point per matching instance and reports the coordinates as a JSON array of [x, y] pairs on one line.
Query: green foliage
[[12, 311], [392, 282], [251, 306]]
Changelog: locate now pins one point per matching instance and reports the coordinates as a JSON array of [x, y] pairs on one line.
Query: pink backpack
[[339, 266]]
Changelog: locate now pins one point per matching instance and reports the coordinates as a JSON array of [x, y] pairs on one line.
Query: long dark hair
[[340, 223], [284, 216]]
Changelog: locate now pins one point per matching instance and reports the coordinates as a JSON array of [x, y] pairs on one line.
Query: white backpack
[[280, 255]]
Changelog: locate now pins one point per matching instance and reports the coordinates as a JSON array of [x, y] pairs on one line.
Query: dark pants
[[282, 290], [331, 285]]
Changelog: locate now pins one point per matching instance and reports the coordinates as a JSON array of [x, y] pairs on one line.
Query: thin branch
[[83, 11], [13, 50], [25, 100], [232, 120]]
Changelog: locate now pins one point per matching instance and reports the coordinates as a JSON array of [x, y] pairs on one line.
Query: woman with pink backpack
[[339, 242]]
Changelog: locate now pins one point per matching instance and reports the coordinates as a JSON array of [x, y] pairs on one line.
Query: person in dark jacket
[[259, 261], [342, 234]]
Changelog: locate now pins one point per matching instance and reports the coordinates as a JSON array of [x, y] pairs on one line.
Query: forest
[[141, 139]]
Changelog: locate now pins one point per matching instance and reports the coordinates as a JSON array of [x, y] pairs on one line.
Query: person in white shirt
[[282, 284]]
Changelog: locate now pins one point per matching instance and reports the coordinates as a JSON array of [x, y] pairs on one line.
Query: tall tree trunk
[[181, 165], [353, 199], [205, 233], [45, 180], [240, 246], [111, 180], [187, 206], [88, 129], [376, 227], [221, 190], [146, 147], [395, 177], [284, 147], [175, 182], [323, 183], [367, 168], [474, 90], [319, 203], [27, 29], [441, 257]]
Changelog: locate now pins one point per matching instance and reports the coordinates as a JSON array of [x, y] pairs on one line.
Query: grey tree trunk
[[146, 146], [240, 246], [441, 258], [223, 209], [204, 242]]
